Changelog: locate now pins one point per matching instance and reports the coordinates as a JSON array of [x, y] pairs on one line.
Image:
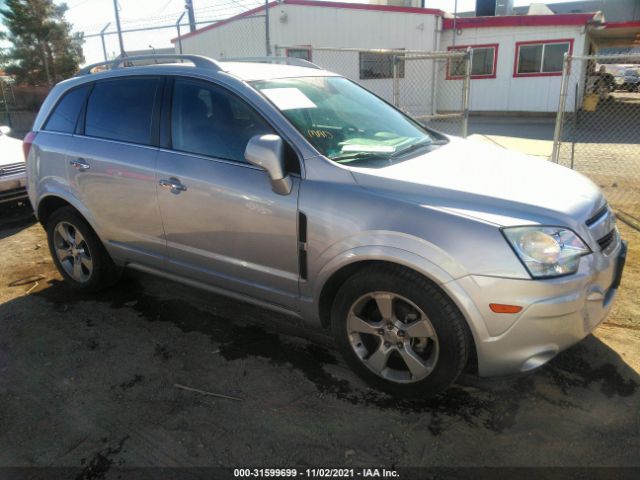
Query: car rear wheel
[[78, 253], [399, 332]]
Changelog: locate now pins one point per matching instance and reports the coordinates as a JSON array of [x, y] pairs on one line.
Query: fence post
[[566, 67], [434, 85], [396, 81], [179, 35], [6, 105], [466, 87]]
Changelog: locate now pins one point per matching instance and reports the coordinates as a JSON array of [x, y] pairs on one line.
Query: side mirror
[[4, 130], [267, 152]]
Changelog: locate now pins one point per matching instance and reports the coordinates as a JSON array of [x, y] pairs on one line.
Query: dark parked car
[[630, 81]]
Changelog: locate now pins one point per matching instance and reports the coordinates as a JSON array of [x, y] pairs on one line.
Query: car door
[[223, 223], [112, 165]]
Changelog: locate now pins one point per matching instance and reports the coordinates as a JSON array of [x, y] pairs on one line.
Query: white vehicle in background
[[12, 168]]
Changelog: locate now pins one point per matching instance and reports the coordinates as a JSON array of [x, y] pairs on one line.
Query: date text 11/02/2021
[[315, 472]]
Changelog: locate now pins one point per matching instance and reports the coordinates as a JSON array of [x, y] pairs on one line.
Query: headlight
[[547, 251]]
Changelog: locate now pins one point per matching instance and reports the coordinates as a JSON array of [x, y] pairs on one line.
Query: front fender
[[418, 262], [408, 251]]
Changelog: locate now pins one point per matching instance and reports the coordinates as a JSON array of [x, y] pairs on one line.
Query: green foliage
[[43, 51]]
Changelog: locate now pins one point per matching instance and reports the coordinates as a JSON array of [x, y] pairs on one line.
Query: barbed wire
[[222, 10]]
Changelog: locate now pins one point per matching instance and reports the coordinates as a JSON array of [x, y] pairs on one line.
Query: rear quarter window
[[122, 109], [64, 116]]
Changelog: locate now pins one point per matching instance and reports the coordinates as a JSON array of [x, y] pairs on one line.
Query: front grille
[[605, 241], [12, 169], [597, 216]]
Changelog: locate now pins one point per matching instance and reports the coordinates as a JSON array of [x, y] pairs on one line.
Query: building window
[[541, 58], [303, 53], [379, 65], [483, 64]]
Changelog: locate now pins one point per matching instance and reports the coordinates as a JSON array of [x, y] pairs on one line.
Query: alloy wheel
[[73, 252], [393, 337]]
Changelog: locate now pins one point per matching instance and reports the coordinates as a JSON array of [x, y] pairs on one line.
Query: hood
[[10, 150], [487, 182]]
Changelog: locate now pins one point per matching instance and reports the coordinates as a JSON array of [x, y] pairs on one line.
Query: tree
[[44, 50]]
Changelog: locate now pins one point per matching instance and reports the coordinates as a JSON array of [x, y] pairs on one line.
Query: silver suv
[[295, 189]]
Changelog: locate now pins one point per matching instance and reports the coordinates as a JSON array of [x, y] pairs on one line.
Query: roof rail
[[197, 60], [299, 62]]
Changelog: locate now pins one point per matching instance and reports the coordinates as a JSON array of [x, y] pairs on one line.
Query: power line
[[146, 29], [164, 7], [79, 4], [161, 27]]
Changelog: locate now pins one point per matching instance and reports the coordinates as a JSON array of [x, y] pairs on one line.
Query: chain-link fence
[[432, 87], [598, 125], [435, 90], [20, 122], [243, 37], [19, 106]]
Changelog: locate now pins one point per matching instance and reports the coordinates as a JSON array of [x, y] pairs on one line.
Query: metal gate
[[598, 126], [432, 87]]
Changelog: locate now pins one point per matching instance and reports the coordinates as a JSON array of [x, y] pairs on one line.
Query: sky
[[90, 16]]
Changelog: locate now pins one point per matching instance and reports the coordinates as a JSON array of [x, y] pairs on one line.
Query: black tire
[[453, 334], [104, 273]]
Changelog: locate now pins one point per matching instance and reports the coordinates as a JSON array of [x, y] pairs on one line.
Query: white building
[[517, 59]]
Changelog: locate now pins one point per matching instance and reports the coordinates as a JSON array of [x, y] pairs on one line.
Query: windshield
[[345, 122]]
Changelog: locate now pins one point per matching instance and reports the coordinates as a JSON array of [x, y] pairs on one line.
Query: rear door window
[[122, 109], [65, 114]]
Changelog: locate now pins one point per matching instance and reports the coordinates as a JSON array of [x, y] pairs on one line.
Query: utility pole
[[115, 7], [104, 47], [266, 28], [455, 23], [192, 16]]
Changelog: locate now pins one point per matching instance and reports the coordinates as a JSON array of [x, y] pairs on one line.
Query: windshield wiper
[[348, 157], [418, 145]]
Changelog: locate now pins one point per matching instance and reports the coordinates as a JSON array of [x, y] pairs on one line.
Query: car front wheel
[[400, 332]]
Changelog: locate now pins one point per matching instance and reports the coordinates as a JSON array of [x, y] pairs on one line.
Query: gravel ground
[[90, 382]]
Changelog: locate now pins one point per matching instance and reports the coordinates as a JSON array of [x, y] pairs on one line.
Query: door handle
[[80, 164], [173, 185]]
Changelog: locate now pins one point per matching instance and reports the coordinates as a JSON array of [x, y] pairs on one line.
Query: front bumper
[[13, 188], [556, 313]]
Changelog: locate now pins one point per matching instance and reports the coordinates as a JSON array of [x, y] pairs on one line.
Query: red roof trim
[[364, 6], [630, 24], [313, 3], [519, 21]]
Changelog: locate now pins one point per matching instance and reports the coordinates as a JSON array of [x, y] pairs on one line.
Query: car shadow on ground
[[590, 371], [15, 217]]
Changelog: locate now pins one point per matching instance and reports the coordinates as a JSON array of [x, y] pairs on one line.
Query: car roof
[[243, 70], [266, 71]]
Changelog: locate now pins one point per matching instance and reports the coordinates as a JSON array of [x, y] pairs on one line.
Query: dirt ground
[[90, 382]]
